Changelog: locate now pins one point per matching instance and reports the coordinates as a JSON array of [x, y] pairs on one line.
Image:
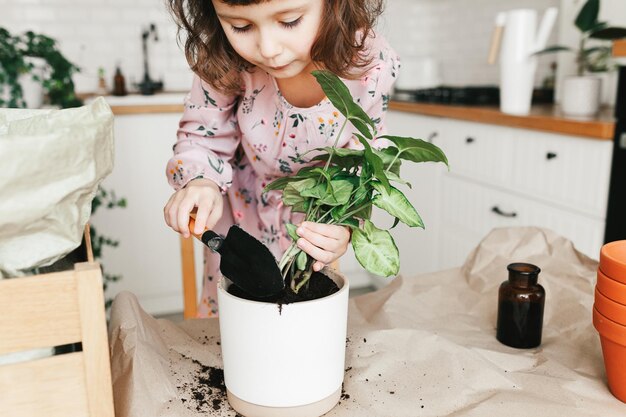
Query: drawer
[[412, 125], [480, 152], [571, 172], [471, 210]]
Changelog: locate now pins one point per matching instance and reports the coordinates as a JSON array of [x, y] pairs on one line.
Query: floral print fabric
[[244, 142]]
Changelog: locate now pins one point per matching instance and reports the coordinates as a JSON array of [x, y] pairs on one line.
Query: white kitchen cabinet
[[500, 177], [148, 256], [471, 210], [418, 247], [569, 172]]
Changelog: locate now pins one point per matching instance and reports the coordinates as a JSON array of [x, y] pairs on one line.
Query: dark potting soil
[[319, 286], [207, 392]]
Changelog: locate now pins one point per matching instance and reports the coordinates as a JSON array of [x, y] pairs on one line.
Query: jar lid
[[523, 274], [523, 268]]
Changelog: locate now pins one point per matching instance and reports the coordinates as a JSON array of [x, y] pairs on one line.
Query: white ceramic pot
[[32, 90], [581, 95], [284, 361]]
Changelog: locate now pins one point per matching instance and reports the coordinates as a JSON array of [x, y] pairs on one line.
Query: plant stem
[[289, 253], [581, 57], [330, 155]]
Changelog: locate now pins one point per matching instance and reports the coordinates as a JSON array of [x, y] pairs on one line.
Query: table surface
[[422, 346]]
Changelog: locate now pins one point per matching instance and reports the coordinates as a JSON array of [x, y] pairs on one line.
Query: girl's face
[[276, 35]]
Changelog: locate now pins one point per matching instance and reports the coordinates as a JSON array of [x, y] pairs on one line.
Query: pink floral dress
[[245, 141]]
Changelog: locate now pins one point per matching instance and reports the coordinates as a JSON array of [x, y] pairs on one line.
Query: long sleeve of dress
[[207, 138]]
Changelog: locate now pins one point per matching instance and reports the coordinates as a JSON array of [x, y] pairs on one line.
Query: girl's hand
[[201, 195], [324, 242]]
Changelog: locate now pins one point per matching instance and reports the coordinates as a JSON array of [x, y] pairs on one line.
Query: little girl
[[254, 109]]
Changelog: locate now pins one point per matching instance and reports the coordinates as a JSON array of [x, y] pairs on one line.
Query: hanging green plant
[[57, 82]]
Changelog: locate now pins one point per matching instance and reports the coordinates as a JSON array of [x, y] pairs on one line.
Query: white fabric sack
[[52, 162]]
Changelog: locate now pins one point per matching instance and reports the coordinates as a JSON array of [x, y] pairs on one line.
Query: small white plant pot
[[284, 361], [32, 90], [581, 96]]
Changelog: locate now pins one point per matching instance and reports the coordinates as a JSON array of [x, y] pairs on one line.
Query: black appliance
[[467, 96], [616, 210]]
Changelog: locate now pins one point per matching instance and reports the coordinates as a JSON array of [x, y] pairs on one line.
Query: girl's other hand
[[200, 195], [324, 242]]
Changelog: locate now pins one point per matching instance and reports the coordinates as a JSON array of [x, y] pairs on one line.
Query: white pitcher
[[517, 62]]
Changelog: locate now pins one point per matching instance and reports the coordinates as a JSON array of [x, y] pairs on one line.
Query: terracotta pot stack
[[609, 314]]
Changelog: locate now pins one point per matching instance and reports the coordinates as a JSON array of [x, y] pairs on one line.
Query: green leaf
[[302, 185], [292, 194], [301, 260], [417, 150], [392, 176], [374, 161], [388, 155], [342, 152], [341, 190], [343, 157], [291, 230], [304, 172], [364, 213], [339, 193], [552, 49], [301, 206], [375, 250], [588, 15], [339, 94], [594, 49], [599, 25], [609, 33], [279, 183], [316, 192], [351, 222], [338, 212], [396, 204]]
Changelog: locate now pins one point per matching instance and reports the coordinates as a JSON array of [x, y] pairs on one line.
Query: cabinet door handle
[[499, 212], [469, 140], [432, 136], [550, 155]]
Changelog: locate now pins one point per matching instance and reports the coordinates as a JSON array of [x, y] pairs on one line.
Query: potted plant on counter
[[32, 64], [290, 356], [581, 92]]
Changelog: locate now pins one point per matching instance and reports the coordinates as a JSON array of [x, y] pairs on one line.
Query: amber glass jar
[[520, 307]]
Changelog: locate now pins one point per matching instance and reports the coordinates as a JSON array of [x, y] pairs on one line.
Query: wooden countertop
[[147, 109], [547, 118]]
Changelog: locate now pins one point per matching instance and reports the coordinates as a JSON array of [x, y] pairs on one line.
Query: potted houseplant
[[289, 358], [31, 64], [581, 92]]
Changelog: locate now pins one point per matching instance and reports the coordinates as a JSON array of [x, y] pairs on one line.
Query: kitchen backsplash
[[456, 34], [99, 33]]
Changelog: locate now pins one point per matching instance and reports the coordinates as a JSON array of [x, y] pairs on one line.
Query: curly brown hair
[[339, 47]]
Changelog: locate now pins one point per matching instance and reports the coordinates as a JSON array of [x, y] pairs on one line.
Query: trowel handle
[[213, 240]]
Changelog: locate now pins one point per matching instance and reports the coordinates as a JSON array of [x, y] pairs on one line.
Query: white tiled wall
[[99, 33], [456, 33]]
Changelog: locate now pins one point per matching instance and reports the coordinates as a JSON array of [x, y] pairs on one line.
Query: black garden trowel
[[246, 261]]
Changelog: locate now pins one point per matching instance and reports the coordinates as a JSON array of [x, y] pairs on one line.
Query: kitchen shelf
[[547, 118]]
